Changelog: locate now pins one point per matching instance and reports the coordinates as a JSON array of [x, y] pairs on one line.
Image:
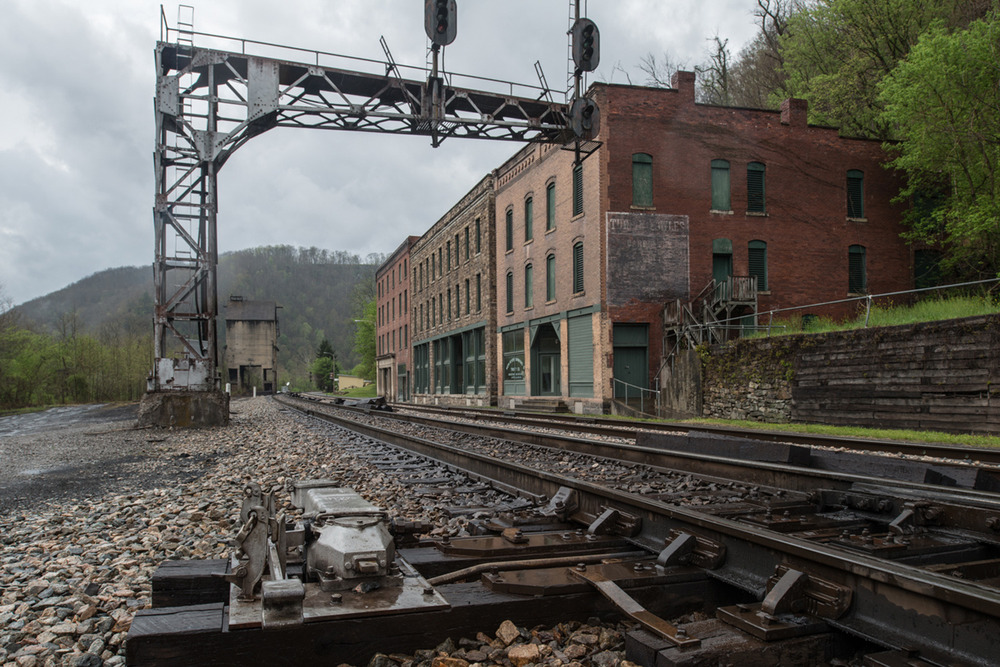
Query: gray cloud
[[76, 83]]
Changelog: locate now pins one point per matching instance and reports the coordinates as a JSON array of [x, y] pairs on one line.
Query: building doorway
[[546, 361]]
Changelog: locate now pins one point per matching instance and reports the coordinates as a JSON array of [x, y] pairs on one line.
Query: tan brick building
[[392, 324], [453, 310]]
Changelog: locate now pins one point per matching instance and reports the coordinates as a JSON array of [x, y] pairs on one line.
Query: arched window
[[720, 185], [578, 267], [855, 193], [528, 219], [755, 188], [510, 228], [529, 299], [510, 292], [642, 180], [757, 262], [857, 271], [550, 206], [550, 278]]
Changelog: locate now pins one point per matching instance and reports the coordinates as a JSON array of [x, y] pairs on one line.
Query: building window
[[528, 220], [479, 292], [468, 297], [550, 206], [550, 278], [466, 244], [457, 259], [578, 267], [510, 229], [755, 188], [720, 185], [855, 194], [642, 180], [578, 189], [458, 301], [857, 273], [529, 299], [440, 262], [757, 261], [510, 292], [479, 237], [448, 255], [449, 305]]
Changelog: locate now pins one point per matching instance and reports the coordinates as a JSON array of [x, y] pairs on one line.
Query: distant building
[[251, 352], [350, 382], [453, 311], [392, 330]]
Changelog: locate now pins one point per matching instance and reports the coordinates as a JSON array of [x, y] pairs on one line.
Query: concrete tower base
[[184, 409]]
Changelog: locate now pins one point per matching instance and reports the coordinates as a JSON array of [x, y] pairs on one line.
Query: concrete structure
[[756, 206], [453, 307], [392, 330], [251, 352]]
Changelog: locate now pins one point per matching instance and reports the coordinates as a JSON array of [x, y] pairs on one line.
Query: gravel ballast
[[89, 510]]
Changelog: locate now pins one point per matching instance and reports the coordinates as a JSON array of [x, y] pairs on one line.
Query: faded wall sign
[[647, 257]]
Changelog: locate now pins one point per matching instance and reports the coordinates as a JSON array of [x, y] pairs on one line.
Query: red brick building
[[392, 330], [732, 210]]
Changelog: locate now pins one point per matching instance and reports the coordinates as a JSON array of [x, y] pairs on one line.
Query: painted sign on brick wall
[[647, 257]]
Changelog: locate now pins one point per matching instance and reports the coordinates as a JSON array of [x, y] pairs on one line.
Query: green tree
[[324, 370], [837, 52], [943, 101], [325, 350], [364, 340]]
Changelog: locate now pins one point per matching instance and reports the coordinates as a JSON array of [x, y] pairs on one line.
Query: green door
[[722, 264], [631, 365]]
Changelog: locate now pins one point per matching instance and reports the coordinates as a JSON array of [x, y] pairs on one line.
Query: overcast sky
[[77, 130]]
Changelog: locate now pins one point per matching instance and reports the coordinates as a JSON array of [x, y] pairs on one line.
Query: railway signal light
[[440, 21], [585, 118], [586, 45]]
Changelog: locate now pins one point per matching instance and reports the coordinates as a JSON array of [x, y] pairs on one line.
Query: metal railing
[[648, 398]]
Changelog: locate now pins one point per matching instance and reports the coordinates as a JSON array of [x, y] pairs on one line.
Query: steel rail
[[612, 427], [921, 604]]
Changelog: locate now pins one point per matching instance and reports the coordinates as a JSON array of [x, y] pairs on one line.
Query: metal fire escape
[[209, 102]]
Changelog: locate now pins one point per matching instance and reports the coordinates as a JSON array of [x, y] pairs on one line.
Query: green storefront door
[[631, 359]]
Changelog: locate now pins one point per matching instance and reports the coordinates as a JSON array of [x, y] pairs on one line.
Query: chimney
[[795, 112], [683, 82]]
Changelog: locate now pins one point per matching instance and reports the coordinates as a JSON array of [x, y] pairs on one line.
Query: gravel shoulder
[[90, 507]]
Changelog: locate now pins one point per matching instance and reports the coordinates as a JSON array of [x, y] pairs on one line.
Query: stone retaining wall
[[934, 375]]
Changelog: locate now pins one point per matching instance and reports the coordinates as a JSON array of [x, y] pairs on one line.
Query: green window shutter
[[855, 193], [550, 206], [642, 180], [857, 274], [720, 185], [510, 292], [755, 188], [578, 268], [757, 260], [581, 356], [528, 219], [510, 229], [528, 287], [550, 278], [578, 189]]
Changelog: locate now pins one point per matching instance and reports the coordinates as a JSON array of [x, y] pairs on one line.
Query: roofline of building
[[391, 259]]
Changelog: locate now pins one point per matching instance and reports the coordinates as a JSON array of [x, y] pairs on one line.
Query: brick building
[[251, 352], [452, 310], [727, 209], [392, 330]]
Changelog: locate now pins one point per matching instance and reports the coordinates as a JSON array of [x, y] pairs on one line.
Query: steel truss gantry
[[210, 102]]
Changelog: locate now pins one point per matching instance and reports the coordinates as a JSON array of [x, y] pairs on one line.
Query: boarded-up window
[[757, 260], [720, 185], [578, 267], [528, 219], [528, 287], [510, 292], [578, 189], [642, 180], [755, 188], [855, 194], [550, 206], [857, 273], [550, 278], [581, 356]]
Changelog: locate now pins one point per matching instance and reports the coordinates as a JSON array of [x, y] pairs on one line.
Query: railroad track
[[793, 561], [602, 426]]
